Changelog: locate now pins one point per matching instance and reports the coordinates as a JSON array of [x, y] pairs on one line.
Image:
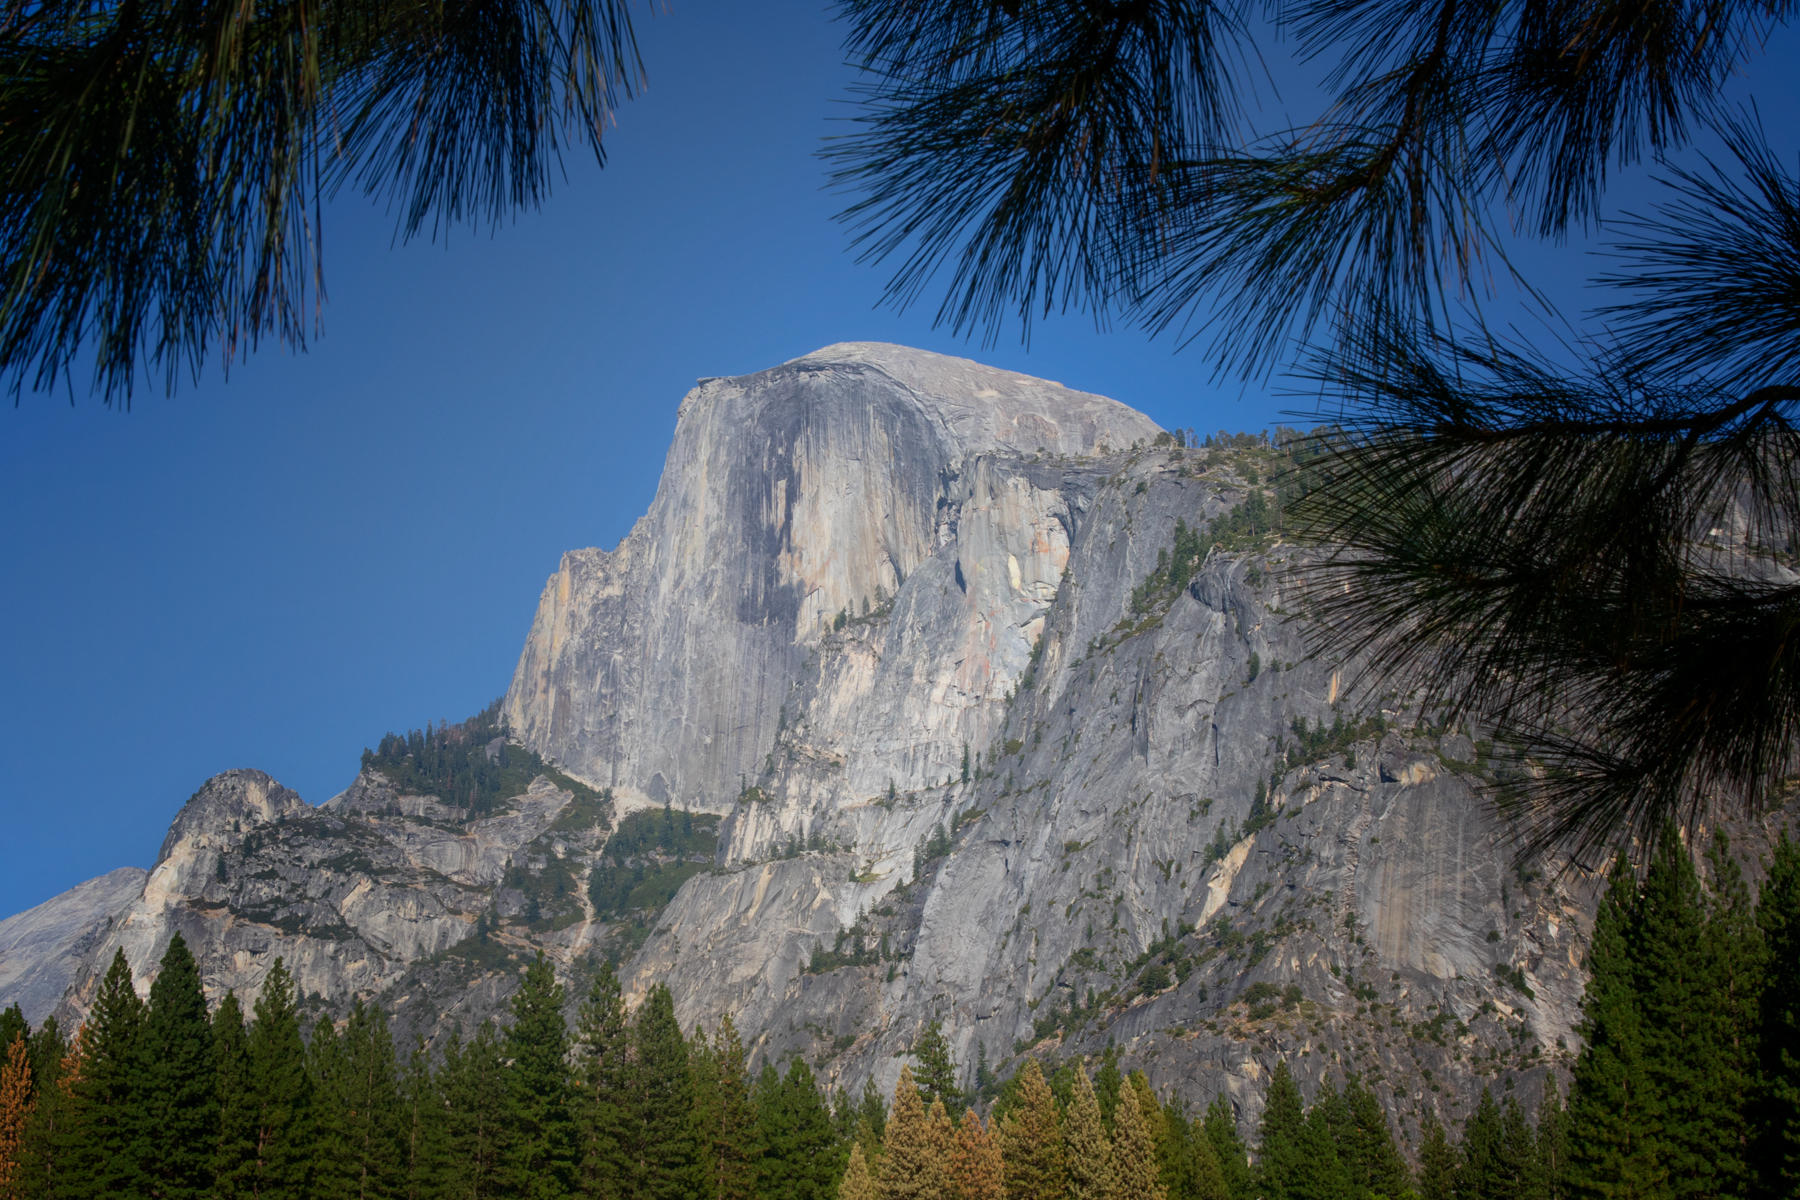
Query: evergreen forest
[[1687, 1085]]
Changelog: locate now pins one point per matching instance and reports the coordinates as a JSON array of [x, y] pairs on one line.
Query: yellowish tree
[[1134, 1173], [1031, 1145], [1085, 1142], [15, 1110], [976, 1168], [859, 1181], [913, 1164]]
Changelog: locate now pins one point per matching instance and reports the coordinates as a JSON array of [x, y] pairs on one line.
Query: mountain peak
[[975, 408]]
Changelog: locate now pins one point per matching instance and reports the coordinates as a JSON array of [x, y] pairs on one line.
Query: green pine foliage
[[935, 1070], [1374, 1162], [1280, 1145], [1613, 1112], [370, 1118], [1220, 1128], [538, 1146], [423, 1131], [1322, 1173], [12, 1025], [1688, 948], [470, 765], [179, 1105], [806, 1143], [474, 1094], [1437, 1163], [664, 1146], [1552, 1143], [280, 1094], [326, 1070], [234, 1146], [647, 859], [1776, 1112], [603, 1103], [732, 1120], [1690, 980], [1519, 1151], [1485, 1172], [100, 1146]]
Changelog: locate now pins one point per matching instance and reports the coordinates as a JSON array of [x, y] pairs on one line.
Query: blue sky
[[273, 569]]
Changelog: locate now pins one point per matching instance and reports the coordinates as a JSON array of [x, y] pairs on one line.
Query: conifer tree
[[332, 1173], [374, 1119], [1520, 1153], [603, 1105], [1612, 1111], [913, 1163], [1188, 1166], [234, 1147], [1552, 1142], [705, 1074], [814, 1159], [1775, 1115], [1323, 1171], [768, 1133], [13, 1025], [940, 1131], [281, 1093], [423, 1133], [537, 1147], [1484, 1172], [936, 1076], [858, 1183], [1135, 1175], [43, 1152], [871, 1111], [1031, 1144], [976, 1169], [101, 1130], [473, 1085], [1281, 1137], [1738, 966], [666, 1152], [733, 1177], [15, 1111], [180, 1105], [1687, 952], [1371, 1157], [1437, 1163], [1085, 1143], [1220, 1128], [1107, 1081], [48, 1049]]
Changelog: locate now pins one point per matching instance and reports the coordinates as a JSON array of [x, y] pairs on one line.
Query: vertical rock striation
[[790, 497]]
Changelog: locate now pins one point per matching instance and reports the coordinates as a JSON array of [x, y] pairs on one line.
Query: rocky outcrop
[[790, 499], [1161, 844], [986, 755], [42, 949], [376, 894]]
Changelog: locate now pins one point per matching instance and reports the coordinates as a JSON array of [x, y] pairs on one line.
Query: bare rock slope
[[1004, 699]]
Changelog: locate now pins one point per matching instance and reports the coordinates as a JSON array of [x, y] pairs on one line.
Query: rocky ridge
[[997, 739]]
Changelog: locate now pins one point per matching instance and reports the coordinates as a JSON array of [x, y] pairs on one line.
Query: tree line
[[1687, 1085]]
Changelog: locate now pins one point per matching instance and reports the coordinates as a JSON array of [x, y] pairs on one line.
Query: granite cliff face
[[791, 496], [871, 614], [990, 748], [42, 948]]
